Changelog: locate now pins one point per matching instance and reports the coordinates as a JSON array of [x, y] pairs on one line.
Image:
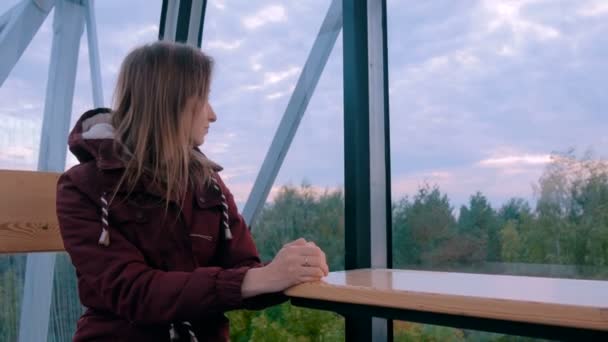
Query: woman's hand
[[297, 262]]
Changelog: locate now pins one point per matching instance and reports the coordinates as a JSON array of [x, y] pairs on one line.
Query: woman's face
[[203, 116]]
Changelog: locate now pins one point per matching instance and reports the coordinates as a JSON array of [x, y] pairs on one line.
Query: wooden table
[[568, 309]]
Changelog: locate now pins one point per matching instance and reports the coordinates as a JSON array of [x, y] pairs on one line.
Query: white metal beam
[[17, 28], [91, 23], [6, 16], [68, 25]]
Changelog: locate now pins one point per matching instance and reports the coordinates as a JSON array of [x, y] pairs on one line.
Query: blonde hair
[[152, 126]]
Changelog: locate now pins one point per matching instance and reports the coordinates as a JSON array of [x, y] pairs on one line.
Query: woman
[[159, 248]]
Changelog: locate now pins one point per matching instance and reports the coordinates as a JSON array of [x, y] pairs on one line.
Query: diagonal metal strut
[[309, 77]]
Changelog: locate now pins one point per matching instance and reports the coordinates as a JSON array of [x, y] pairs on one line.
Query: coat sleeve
[[241, 251], [116, 278]]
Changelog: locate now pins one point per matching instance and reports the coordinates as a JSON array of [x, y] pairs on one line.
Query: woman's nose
[[212, 116]]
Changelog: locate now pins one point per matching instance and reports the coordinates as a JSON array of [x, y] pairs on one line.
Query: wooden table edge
[[528, 312]]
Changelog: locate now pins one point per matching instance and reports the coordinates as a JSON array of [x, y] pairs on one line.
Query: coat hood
[[92, 138]]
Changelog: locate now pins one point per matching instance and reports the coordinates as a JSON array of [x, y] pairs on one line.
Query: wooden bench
[[530, 306], [28, 222], [569, 309]]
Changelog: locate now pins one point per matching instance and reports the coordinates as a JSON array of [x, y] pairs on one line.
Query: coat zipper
[[206, 237]]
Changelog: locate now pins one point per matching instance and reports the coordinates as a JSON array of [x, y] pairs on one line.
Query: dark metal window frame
[[366, 152], [182, 21]]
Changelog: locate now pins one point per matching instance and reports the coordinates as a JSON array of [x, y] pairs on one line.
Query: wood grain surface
[[561, 302], [28, 222]]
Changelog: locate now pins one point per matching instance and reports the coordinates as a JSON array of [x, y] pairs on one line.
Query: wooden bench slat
[[28, 221]]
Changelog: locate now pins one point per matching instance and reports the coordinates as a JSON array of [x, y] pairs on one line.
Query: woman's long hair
[[152, 126]]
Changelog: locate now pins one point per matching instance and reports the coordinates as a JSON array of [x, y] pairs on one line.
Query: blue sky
[[481, 91]]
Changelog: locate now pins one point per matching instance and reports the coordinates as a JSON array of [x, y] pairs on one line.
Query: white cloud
[[274, 77], [467, 59], [269, 14], [459, 62], [217, 147], [17, 152], [239, 171], [276, 95], [279, 94], [459, 183], [253, 87], [408, 184], [219, 4], [223, 45], [241, 190], [440, 175], [130, 37], [500, 27], [254, 62], [507, 50], [112, 68], [594, 9], [508, 14], [145, 32], [513, 160], [23, 104]]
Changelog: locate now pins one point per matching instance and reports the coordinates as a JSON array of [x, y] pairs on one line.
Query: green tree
[[286, 323], [511, 242], [516, 209], [302, 212], [406, 250], [424, 230], [480, 223], [512, 216], [588, 214]]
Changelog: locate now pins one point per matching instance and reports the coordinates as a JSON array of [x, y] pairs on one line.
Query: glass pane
[[12, 274], [65, 305], [22, 100], [501, 166], [21, 103], [260, 49], [117, 35], [498, 137]]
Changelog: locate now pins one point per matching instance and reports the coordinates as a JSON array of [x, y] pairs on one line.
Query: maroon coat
[[160, 267]]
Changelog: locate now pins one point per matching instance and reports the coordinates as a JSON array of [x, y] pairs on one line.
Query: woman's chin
[[199, 142]]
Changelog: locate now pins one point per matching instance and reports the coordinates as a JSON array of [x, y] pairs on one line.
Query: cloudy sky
[[481, 91]]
